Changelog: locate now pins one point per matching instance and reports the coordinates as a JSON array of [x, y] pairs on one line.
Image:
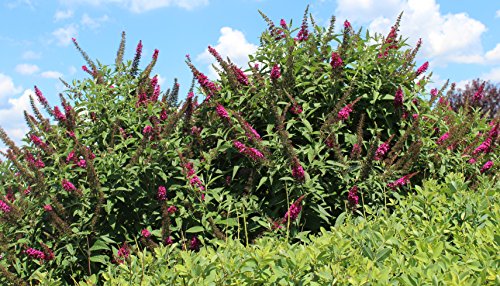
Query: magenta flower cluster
[[161, 195], [194, 243], [58, 114], [37, 141], [352, 196], [207, 84], [194, 180], [241, 77], [222, 112], [336, 61], [443, 138], [344, 112], [254, 132], [40, 96], [253, 153], [4, 207], [296, 109], [145, 233], [381, 151], [67, 185], [422, 68], [293, 211], [35, 253], [275, 72], [486, 166], [398, 98], [297, 171], [399, 182]]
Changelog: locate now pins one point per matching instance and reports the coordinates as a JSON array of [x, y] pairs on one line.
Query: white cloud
[[497, 14], [233, 44], [51, 74], [93, 22], [31, 55], [64, 35], [12, 117], [7, 86], [62, 15], [494, 54], [140, 6], [493, 75], [26, 69], [446, 37]]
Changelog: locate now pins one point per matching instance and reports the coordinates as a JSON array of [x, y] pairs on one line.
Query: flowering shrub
[[310, 130]]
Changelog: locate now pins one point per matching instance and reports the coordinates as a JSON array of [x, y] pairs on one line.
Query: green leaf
[[100, 259], [195, 229]]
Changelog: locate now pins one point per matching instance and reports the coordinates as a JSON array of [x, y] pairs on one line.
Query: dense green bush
[[319, 125], [442, 234]]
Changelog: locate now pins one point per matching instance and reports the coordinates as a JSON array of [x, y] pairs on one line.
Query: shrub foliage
[[318, 125]]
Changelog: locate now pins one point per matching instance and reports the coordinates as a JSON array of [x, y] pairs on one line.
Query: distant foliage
[[481, 94]]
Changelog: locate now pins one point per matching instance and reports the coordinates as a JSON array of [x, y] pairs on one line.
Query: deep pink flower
[[296, 109], [195, 130], [123, 251], [472, 161], [194, 244], [381, 151], [398, 98], [293, 211], [147, 130], [275, 72], [47, 208], [399, 182], [478, 95], [443, 138], [163, 115], [162, 193], [37, 141], [347, 25], [241, 77], [422, 68], [35, 253], [344, 112], [486, 166], [169, 240], [414, 116], [155, 54], [156, 93], [303, 34], [207, 84], [297, 170], [352, 196], [71, 157], [214, 53], [67, 185], [40, 96], [58, 114], [172, 209], [485, 147], [194, 180], [146, 233], [434, 92], [82, 163], [86, 69], [154, 81], [283, 24], [27, 191], [4, 207], [39, 164], [221, 111], [336, 61], [493, 133], [254, 132], [138, 49], [250, 152]]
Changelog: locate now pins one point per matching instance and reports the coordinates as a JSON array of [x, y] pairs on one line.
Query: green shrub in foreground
[[443, 234]]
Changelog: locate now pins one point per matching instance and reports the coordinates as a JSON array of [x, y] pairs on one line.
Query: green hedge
[[443, 234]]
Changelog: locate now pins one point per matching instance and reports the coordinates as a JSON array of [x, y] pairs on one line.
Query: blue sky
[[461, 38]]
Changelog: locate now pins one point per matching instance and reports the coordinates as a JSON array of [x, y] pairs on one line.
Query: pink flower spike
[[347, 25], [146, 233], [443, 138], [486, 166], [422, 68], [344, 112], [155, 54], [221, 111], [352, 196], [4, 207], [162, 193], [172, 209], [275, 72], [40, 96], [147, 130], [336, 61], [47, 208], [67, 185]]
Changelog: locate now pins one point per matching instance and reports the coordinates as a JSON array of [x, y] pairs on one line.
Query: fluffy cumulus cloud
[[446, 37], [140, 6], [493, 75], [63, 35], [233, 44], [51, 74], [26, 69], [63, 15], [12, 117], [7, 87], [93, 22], [493, 55], [31, 55]]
